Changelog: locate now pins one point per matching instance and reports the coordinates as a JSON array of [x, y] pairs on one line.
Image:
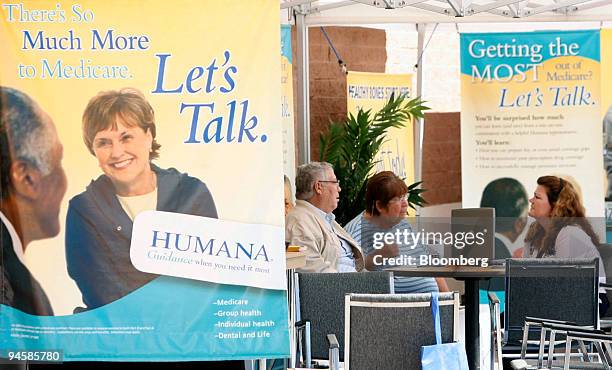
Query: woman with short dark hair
[[386, 209], [119, 130]]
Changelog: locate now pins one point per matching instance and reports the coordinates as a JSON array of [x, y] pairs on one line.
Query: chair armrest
[[539, 320], [304, 349], [573, 328], [595, 336], [334, 352], [332, 341], [493, 298], [301, 324], [496, 340]]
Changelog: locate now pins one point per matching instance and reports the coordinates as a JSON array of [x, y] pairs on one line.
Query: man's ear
[[25, 179], [318, 187]]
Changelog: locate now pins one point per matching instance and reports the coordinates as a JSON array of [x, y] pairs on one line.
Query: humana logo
[[212, 247]]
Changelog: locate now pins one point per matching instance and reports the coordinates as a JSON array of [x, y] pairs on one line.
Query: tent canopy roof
[[341, 12]]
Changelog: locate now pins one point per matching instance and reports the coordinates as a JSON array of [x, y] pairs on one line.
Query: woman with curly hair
[[561, 229]]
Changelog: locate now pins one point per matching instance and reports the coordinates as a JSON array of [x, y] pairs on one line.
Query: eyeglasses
[[399, 198], [330, 181]]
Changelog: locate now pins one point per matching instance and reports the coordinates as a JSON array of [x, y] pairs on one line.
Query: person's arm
[[297, 234], [82, 239], [442, 286], [198, 200], [387, 251], [518, 253], [572, 242]]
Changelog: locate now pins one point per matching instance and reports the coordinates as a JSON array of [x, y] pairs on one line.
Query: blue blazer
[[98, 233]]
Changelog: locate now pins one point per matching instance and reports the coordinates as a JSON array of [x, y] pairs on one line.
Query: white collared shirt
[[14, 237]]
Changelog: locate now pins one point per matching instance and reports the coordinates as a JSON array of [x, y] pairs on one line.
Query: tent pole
[[420, 124], [303, 97]]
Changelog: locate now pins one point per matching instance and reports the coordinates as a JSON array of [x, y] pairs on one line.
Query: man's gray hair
[[306, 176], [26, 135]]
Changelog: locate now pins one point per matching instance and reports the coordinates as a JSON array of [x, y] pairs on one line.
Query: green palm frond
[[351, 147]]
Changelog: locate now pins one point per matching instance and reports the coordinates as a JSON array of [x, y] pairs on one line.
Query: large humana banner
[[530, 106], [140, 190]]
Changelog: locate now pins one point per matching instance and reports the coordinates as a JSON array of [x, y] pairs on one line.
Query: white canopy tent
[[476, 13], [471, 15]]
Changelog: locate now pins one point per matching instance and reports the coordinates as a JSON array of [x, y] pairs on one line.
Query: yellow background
[[399, 141], [287, 122], [606, 70]]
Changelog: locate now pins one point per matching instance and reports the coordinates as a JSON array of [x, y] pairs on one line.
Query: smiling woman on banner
[[561, 229], [119, 130]]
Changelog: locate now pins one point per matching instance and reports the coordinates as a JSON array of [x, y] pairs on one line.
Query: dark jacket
[[98, 233], [18, 288]]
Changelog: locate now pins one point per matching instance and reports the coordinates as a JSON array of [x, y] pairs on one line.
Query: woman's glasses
[[399, 198]]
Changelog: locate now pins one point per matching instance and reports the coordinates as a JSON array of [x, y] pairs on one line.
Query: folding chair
[[321, 308], [552, 289], [386, 331]]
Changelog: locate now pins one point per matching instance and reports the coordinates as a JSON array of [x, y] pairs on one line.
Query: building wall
[[362, 49], [393, 49], [440, 62], [442, 158]]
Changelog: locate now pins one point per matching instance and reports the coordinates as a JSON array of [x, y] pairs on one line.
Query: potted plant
[[351, 147]]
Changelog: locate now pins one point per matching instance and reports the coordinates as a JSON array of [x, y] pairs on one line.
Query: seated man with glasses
[[312, 224]]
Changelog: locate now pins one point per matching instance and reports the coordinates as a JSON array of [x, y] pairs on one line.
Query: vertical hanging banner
[[530, 107], [367, 90], [606, 113], [137, 141], [606, 70], [287, 103]]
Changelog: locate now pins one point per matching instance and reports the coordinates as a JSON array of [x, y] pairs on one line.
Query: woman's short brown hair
[[129, 104], [383, 187]]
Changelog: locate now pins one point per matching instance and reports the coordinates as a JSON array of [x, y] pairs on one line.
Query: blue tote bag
[[442, 356]]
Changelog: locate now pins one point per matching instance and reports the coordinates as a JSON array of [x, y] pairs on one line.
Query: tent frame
[[310, 13]]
